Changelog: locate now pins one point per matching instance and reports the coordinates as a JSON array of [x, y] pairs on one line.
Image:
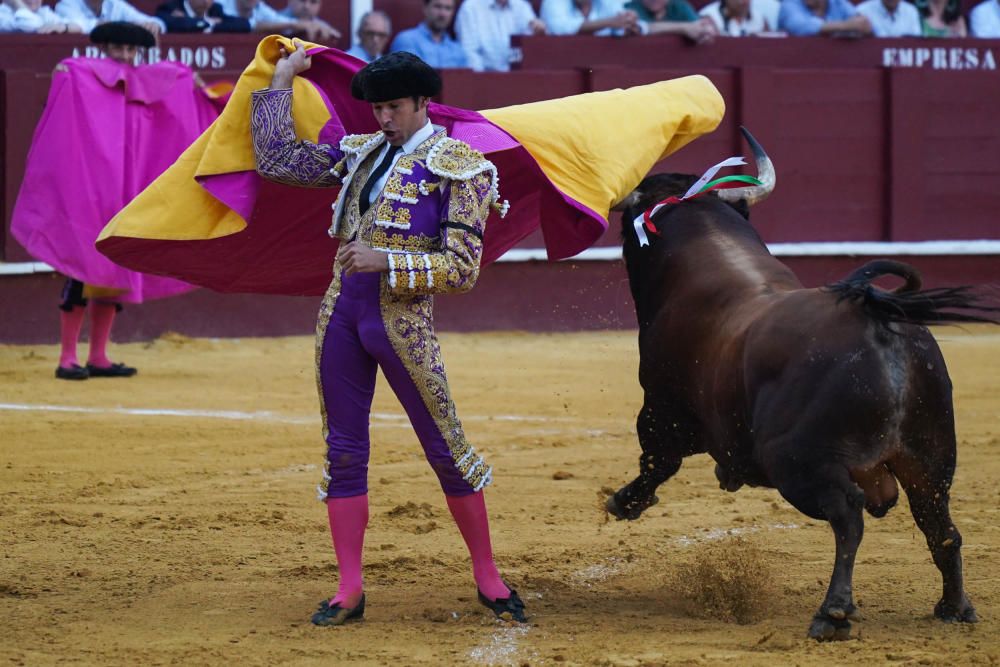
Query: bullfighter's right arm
[[280, 156]]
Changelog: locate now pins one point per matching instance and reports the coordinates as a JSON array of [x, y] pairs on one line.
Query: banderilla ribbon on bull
[[644, 222]]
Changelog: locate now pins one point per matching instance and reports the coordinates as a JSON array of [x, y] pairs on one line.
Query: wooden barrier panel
[[945, 156]]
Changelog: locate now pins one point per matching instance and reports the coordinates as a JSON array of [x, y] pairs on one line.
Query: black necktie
[[382, 167]]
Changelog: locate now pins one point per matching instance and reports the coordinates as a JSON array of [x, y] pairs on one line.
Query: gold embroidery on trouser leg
[[408, 324], [322, 321]]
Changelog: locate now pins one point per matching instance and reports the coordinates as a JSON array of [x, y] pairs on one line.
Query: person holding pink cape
[[109, 128]]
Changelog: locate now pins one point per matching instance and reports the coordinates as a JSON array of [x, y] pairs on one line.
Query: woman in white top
[[35, 17], [739, 18], [595, 17], [88, 13]]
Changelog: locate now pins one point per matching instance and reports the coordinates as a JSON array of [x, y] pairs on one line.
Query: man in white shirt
[[739, 18], [892, 18], [262, 17], [984, 19], [88, 13], [313, 28], [603, 18], [484, 29], [6, 17], [35, 17]]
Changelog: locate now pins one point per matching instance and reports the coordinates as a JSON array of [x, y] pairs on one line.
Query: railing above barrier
[[675, 52]]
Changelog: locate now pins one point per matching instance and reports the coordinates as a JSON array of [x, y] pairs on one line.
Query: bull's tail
[[908, 303]]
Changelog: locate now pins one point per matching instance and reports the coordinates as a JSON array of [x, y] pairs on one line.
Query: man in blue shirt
[[430, 40], [374, 31], [822, 17]]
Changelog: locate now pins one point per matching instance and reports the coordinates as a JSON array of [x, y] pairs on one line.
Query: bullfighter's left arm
[[456, 267]]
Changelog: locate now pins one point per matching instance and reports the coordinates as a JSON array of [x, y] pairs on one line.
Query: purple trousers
[[354, 346]]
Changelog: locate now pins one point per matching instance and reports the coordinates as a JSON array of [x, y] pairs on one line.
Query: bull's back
[[824, 378]]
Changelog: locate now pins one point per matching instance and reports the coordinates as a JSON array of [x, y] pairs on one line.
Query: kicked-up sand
[[171, 519]]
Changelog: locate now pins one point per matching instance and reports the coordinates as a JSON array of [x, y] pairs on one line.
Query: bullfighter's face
[[401, 118], [122, 53]]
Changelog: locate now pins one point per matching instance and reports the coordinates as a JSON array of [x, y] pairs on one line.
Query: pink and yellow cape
[[211, 220]]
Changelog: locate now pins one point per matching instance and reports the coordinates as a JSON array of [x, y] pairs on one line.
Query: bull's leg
[[828, 492], [927, 483], [660, 460]]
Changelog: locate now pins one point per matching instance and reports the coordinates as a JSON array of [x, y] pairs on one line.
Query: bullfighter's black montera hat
[[396, 75], [122, 32]]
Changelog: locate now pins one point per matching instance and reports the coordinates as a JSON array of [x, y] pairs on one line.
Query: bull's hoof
[[728, 480], [964, 612], [629, 511], [825, 628]]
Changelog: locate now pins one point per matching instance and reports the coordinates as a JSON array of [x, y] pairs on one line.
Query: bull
[[831, 395]]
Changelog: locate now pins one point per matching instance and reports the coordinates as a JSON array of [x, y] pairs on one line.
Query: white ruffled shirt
[[419, 137]]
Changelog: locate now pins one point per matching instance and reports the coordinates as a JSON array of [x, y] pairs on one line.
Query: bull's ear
[[630, 200]]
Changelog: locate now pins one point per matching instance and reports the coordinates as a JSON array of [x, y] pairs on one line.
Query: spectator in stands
[[6, 18], [984, 19], [822, 17], [199, 16], [88, 13], [306, 12], [891, 18], [485, 27], [739, 18], [261, 16], [35, 17], [430, 40], [374, 31], [673, 17], [941, 18], [603, 18]]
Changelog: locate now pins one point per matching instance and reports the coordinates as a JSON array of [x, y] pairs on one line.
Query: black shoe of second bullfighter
[[506, 609], [334, 614]]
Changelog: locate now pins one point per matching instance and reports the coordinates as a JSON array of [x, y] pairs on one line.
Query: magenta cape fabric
[[285, 248], [107, 131]]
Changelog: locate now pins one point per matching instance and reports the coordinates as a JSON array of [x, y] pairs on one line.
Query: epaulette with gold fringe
[[361, 144], [458, 161]]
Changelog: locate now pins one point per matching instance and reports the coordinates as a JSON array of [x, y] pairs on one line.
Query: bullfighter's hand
[[358, 258], [289, 65]]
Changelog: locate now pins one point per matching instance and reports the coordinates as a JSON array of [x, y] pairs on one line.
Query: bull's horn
[[631, 199], [765, 172]]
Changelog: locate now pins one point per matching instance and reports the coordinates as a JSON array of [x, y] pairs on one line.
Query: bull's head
[[750, 194], [658, 187]]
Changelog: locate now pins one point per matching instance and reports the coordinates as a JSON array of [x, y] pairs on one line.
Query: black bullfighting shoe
[[334, 614], [112, 371], [74, 372], [506, 609]]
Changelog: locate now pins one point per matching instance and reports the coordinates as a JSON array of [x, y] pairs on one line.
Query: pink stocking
[[70, 324], [102, 315], [470, 515], [348, 520]]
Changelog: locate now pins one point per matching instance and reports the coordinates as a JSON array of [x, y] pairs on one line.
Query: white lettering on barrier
[[940, 58], [201, 57]]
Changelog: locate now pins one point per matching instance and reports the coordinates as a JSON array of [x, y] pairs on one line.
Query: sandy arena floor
[[170, 519]]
